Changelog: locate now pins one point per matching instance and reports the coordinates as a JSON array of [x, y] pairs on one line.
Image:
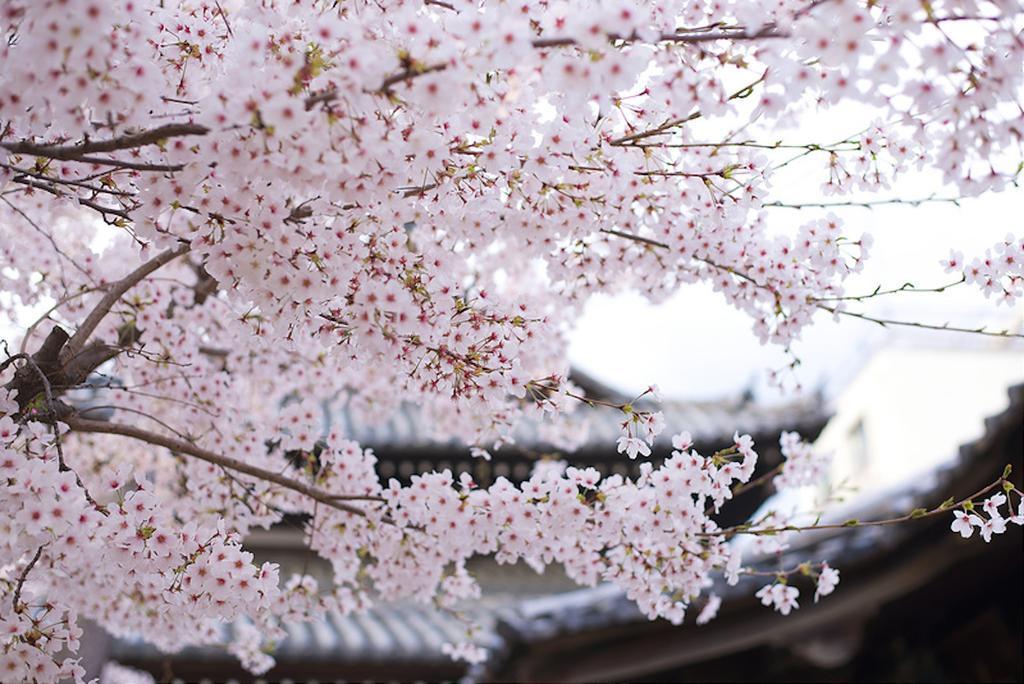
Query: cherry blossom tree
[[233, 214]]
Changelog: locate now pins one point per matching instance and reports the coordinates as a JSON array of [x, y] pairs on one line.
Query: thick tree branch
[[35, 376], [84, 425], [123, 142], [114, 293], [92, 356]]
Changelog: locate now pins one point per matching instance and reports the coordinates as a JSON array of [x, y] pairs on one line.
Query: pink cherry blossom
[[1018, 517], [828, 579], [962, 524], [244, 220], [989, 526]]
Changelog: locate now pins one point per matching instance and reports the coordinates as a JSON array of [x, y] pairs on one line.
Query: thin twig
[[39, 229], [73, 182], [917, 514], [223, 16], [46, 314], [879, 292], [85, 202], [130, 165], [925, 326], [127, 409], [868, 204], [16, 599], [626, 139]]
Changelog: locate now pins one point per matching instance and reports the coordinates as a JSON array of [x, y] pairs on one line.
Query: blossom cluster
[[803, 464], [254, 215], [655, 537], [782, 596], [110, 552], [394, 154], [965, 521], [999, 272]]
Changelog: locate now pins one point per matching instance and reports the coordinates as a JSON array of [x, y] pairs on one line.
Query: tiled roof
[[705, 420]]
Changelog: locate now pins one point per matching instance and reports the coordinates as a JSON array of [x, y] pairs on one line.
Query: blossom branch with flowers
[[252, 214]]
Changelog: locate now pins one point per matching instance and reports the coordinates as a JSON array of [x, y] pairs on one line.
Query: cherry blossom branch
[[406, 75], [151, 136], [129, 165], [635, 238], [16, 599], [734, 33], [739, 94], [533, 385], [925, 326], [96, 190], [85, 425], [868, 204], [965, 17], [414, 70], [537, 390], [114, 293], [879, 292], [824, 307], [51, 188], [127, 409], [684, 174], [916, 514], [813, 147], [224, 16]]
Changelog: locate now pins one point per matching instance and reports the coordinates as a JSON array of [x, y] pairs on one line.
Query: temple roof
[[707, 421]]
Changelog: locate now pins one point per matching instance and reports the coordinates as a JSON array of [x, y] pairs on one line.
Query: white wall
[[909, 410]]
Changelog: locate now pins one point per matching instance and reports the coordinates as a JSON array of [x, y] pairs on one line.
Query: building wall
[[907, 411]]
